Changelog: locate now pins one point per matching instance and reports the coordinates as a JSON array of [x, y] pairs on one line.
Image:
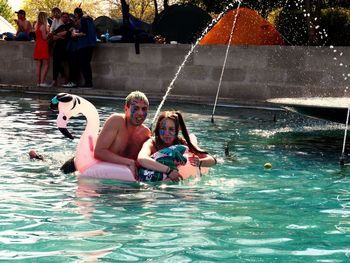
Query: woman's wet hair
[[176, 116]]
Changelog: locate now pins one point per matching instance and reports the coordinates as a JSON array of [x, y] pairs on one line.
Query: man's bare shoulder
[[115, 120], [145, 130], [116, 117]]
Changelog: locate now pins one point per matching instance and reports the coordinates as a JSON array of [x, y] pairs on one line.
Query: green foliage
[[336, 23], [5, 10], [335, 3], [333, 28], [217, 6], [141, 9], [33, 7], [292, 26]]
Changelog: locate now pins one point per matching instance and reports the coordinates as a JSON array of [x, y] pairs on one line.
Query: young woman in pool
[[166, 134]]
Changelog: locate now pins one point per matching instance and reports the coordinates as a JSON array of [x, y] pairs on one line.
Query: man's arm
[[19, 26], [145, 160]]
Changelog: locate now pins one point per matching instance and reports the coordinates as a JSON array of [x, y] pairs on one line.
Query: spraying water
[[342, 157], [225, 60], [205, 31]]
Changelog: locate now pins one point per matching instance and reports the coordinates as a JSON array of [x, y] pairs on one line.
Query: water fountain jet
[[205, 31]]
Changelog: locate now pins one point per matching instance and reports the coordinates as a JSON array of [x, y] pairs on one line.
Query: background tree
[[141, 9], [6, 11], [90, 7], [335, 3], [156, 13]]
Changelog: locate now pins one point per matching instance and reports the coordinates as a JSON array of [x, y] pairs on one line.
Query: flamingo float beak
[[62, 121], [66, 133]]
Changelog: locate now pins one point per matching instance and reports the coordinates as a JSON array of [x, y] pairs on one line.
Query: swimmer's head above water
[[34, 155]]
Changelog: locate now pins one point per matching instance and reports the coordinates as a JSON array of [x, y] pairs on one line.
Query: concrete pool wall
[[252, 73]]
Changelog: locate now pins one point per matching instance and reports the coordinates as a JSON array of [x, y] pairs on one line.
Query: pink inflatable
[[70, 105]]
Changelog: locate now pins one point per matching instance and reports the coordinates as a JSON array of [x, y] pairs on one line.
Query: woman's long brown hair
[[176, 116]]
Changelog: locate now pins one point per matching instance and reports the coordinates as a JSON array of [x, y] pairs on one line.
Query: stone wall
[[252, 73]]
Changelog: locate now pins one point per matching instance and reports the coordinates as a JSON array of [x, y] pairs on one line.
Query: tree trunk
[[309, 23], [125, 12], [165, 4], [126, 31], [318, 9], [318, 21], [155, 9]]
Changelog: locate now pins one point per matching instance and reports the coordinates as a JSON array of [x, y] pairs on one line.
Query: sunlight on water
[[337, 102], [298, 128], [297, 211]]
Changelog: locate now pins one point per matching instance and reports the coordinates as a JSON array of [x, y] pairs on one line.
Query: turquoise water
[[299, 211]]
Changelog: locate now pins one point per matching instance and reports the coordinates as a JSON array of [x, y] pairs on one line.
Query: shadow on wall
[[138, 31], [181, 23]]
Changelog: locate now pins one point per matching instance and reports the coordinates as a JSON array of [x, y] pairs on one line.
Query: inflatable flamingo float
[[70, 105]]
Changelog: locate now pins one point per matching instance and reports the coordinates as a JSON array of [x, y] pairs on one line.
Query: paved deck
[[117, 94]]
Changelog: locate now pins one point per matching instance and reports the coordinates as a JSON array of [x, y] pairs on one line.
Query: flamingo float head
[[67, 105]]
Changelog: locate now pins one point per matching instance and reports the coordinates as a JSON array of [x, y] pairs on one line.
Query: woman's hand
[[174, 176], [194, 160], [133, 167]]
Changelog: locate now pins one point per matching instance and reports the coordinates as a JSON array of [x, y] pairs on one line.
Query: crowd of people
[[68, 39], [124, 139]]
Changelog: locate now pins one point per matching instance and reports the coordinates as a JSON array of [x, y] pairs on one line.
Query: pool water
[[298, 211]]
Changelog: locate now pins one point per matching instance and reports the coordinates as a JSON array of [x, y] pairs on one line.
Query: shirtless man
[[24, 27], [123, 135]]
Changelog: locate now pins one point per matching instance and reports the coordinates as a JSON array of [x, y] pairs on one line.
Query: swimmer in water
[[34, 155], [67, 168], [227, 152]]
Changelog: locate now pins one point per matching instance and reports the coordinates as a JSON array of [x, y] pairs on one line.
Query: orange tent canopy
[[250, 29]]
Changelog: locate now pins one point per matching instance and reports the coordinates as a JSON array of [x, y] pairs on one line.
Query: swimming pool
[[299, 211]]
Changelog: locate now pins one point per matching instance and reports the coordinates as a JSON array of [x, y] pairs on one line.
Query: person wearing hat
[[24, 27]]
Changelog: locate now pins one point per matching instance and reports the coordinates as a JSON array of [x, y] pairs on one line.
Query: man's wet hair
[[138, 95]]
